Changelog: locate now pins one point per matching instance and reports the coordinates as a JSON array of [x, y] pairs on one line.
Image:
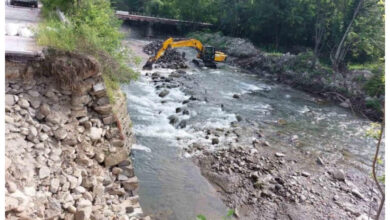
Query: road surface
[[19, 23]]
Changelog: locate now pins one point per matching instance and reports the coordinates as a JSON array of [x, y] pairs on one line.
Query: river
[[171, 186]]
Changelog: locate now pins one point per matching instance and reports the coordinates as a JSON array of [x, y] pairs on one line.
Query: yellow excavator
[[205, 53]]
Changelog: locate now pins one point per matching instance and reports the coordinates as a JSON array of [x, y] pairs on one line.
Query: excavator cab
[[208, 54]]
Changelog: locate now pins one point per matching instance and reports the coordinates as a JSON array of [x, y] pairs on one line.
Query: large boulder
[[115, 158]]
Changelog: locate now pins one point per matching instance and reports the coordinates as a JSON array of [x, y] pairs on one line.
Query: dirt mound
[[171, 59]]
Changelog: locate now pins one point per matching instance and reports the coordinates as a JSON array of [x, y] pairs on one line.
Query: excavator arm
[[169, 43], [183, 43]]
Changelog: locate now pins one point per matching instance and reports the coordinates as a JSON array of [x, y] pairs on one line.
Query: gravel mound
[[172, 59]]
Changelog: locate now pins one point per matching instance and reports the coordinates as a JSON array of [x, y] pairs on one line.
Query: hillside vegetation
[[340, 32], [89, 27]]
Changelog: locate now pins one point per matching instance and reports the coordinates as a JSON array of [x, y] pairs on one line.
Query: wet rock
[[182, 124], [128, 171], [320, 161], [278, 154], [236, 96], [129, 209], [122, 177], [115, 158], [116, 170], [163, 93], [254, 176], [173, 119], [339, 175], [345, 104], [131, 184], [356, 193], [226, 182], [186, 112], [215, 141], [178, 110]]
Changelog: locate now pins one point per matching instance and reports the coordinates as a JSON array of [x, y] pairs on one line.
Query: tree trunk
[[337, 57]]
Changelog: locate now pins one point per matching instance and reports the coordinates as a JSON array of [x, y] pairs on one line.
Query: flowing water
[[172, 187]]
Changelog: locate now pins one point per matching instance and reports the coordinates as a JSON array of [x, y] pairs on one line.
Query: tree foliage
[[286, 25], [92, 28]]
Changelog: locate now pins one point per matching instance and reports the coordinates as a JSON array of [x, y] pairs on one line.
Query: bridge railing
[[132, 13]]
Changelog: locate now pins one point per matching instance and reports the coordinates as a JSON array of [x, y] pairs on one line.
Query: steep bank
[[302, 71], [67, 147]]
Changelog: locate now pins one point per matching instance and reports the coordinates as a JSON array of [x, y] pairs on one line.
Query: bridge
[[150, 20]]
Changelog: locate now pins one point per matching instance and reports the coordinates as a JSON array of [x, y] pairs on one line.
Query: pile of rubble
[[66, 154], [260, 182], [171, 59]]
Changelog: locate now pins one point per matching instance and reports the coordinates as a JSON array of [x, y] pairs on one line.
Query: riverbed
[[171, 185]]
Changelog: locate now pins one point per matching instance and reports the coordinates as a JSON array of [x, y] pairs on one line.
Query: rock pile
[[66, 156], [259, 182], [171, 59], [152, 48]]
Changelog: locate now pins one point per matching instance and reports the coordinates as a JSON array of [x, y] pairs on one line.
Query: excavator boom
[[170, 43]]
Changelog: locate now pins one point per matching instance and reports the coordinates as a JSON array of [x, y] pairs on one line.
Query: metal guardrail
[[136, 16]]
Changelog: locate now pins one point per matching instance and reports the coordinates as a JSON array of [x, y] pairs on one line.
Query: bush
[[92, 29], [375, 86], [374, 104]]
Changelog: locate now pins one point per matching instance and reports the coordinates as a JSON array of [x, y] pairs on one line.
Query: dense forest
[[338, 31]]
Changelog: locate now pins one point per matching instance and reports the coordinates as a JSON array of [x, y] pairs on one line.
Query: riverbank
[[67, 147], [357, 90], [264, 181]]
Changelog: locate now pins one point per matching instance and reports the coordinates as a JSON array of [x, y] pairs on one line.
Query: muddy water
[[171, 186]]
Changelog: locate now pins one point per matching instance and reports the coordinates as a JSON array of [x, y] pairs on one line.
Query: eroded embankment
[[67, 148]]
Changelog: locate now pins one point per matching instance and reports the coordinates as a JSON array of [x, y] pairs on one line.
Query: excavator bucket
[[149, 64]]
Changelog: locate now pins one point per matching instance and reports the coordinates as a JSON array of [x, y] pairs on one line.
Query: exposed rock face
[[57, 143]]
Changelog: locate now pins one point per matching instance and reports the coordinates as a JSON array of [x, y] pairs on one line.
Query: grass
[[92, 29], [274, 53], [364, 66], [111, 87]]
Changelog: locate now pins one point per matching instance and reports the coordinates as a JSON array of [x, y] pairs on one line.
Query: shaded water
[[172, 186]]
